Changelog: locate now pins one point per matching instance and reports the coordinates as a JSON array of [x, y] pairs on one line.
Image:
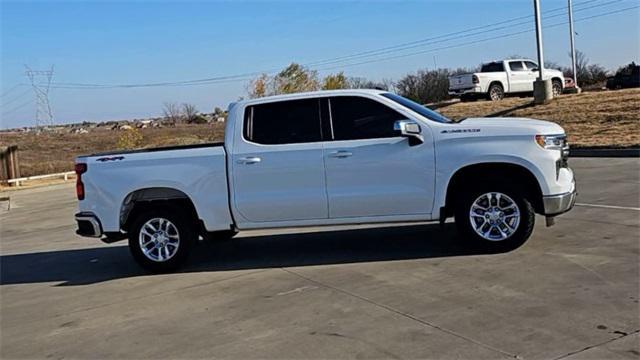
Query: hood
[[513, 125]]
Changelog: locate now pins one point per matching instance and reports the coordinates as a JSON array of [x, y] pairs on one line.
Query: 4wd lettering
[[112, 158]]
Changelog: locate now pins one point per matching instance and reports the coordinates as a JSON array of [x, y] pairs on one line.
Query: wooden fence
[[9, 164]]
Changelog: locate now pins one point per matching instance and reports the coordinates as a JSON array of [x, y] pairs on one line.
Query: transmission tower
[[41, 81]]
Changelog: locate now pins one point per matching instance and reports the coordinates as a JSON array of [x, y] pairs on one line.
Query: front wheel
[[497, 217], [556, 87], [160, 239]]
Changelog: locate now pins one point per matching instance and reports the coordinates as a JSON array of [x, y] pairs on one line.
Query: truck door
[[371, 170], [520, 78], [277, 166], [532, 71]]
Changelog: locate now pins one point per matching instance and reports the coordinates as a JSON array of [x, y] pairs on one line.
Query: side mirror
[[409, 129]]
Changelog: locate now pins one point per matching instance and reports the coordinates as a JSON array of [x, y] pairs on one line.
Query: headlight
[[552, 142]]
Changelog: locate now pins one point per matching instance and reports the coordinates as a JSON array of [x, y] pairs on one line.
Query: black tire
[[186, 238], [522, 231], [496, 92], [556, 88]]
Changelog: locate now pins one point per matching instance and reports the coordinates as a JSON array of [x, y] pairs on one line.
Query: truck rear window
[[283, 122], [493, 67]]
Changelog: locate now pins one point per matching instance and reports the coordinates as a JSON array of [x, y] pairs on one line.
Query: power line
[[17, 107], [242, 77], [370, 53], [424, 42], [476, 41], [11, 89], [5, 103]]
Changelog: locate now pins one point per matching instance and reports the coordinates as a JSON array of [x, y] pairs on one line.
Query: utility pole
[[41, 82], [542, 91], [573, 47]]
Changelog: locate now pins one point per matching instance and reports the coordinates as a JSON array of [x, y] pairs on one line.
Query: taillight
[[80, 169], [475, 79]]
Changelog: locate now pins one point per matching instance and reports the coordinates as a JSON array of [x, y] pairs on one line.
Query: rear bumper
[[558, 204], [88, 225], [470, 90]]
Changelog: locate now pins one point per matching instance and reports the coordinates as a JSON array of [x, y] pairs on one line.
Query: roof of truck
[[309, 94]]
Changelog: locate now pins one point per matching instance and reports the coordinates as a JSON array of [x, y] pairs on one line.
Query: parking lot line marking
[[609, 206]]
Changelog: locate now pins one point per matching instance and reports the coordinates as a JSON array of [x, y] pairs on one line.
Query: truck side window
[[516, 66], [355, 117], [531, 65], [283, 122]]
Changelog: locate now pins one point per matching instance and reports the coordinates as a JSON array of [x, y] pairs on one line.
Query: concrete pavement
[[571, 292]]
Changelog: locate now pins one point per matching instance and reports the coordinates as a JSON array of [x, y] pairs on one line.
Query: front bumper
[[88, 225], [558, 204]]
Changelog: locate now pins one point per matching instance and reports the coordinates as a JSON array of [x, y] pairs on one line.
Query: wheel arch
[[492, 171], [561, 81], [139, 200], [495, 82]]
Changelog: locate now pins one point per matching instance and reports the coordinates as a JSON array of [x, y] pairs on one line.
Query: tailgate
[[464, 81]]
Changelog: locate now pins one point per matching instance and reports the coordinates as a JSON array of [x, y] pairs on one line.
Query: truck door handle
[[249, 160], [341, 154]]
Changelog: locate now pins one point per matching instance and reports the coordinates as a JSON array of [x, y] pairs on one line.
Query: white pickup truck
[[498, 78], [328, 158]]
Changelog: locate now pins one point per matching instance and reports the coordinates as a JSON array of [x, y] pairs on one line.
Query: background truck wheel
[[496, 92], [160, 239], [556, 87], [497, 216]]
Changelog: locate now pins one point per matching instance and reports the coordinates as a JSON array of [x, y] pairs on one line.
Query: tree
[[363, 83], [258, 86], [295, 78], [597, 73], [335, 81], [171, 112], [425, 86], [588, 74], [189, 112]]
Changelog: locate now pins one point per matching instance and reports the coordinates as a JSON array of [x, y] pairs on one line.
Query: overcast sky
[[110, 43]]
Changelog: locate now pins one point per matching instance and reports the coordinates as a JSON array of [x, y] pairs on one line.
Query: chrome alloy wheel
[[495, 93], [159, 239], [494, 216]]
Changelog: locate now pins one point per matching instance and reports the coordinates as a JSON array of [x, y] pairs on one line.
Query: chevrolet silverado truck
[[328, 158], [495, 79]]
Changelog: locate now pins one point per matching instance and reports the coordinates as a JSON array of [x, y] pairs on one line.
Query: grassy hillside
[[607, 118], [603, 118]]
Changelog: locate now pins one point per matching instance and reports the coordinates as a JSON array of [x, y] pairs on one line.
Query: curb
[[600, 152]]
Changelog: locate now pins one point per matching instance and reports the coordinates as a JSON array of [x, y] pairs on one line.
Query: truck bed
[[163, 148]]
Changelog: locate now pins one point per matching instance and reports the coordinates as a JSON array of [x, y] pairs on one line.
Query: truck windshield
[[422, 110]]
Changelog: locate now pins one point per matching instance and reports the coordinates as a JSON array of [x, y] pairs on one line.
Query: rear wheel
[[160, 239], [496, 216], [496, 92]]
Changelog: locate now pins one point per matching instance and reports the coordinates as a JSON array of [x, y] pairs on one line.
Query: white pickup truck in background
[[498, 78], [328, 158]]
